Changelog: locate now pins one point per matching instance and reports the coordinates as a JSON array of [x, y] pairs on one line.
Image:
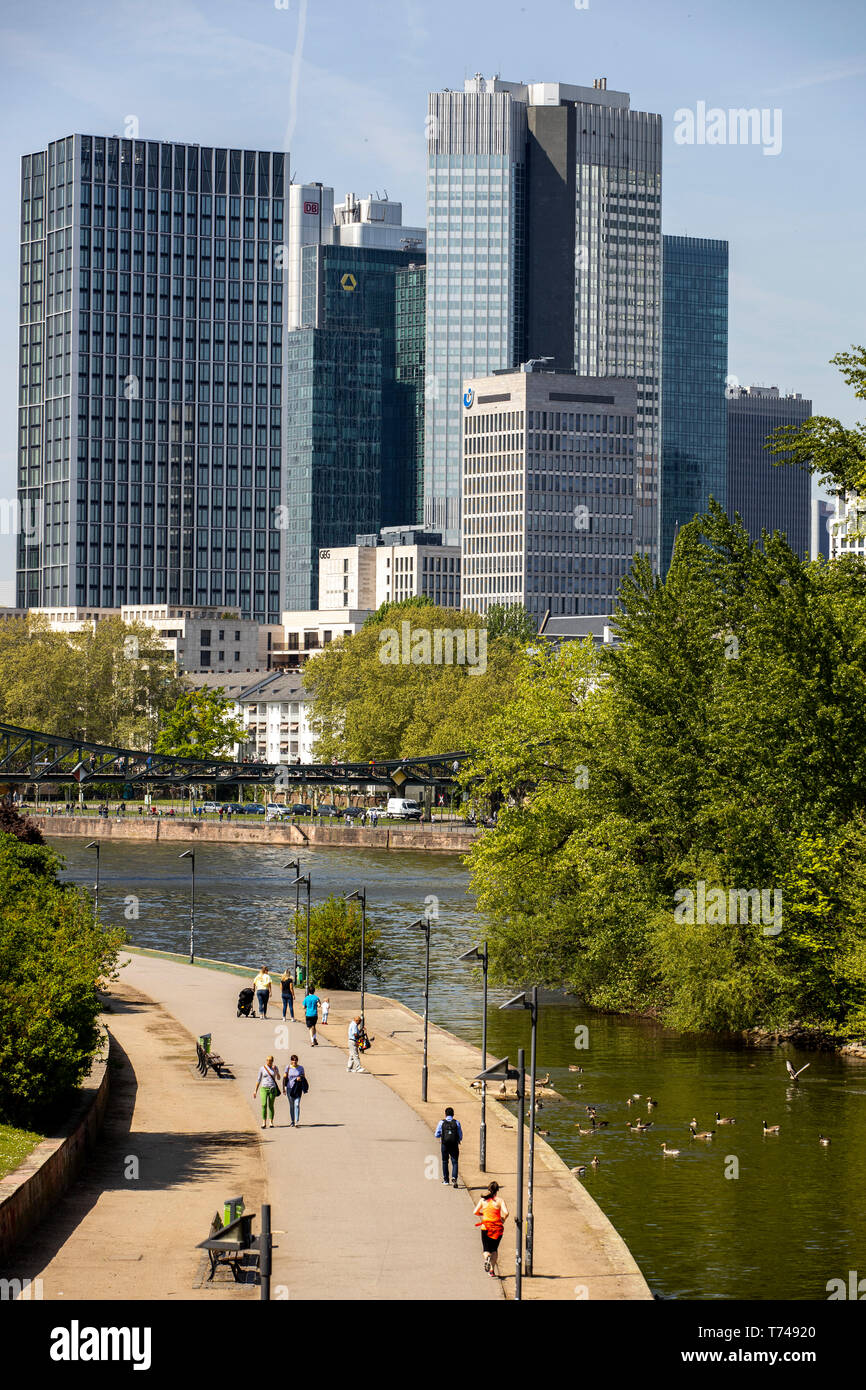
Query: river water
[[743, 1216]]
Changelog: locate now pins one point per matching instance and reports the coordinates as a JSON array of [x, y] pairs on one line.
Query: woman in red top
[[494, 1214]]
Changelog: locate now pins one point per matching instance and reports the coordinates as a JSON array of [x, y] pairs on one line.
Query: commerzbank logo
[[468, 397]]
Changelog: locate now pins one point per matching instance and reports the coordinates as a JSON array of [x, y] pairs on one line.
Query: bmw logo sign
[[468, 397]]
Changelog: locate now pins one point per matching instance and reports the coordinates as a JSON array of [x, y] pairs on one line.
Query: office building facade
[[398, 563], [151, 375], [694, 372], [766, 496], [549, 491], [544, 242]]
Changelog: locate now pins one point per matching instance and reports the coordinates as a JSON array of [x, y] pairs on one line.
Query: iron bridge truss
[[28, 756]]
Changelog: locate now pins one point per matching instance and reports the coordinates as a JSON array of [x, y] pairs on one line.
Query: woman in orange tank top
[[494, 1213]]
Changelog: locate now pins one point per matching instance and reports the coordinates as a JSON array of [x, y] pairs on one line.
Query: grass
[[15, 1145]]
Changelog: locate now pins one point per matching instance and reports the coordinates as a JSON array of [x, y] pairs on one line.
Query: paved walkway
[[356, 1191]]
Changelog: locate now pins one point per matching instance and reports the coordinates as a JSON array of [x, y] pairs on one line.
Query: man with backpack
[[449, 1132]]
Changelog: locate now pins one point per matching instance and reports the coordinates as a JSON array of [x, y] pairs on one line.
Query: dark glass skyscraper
[[767, 497], [151, 391], [333, 449], [694, 368]]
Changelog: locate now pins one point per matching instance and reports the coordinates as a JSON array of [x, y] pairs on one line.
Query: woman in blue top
[[295, 1082], [311, 1011]]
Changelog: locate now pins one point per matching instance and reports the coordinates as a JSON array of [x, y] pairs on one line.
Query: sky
[[342, 86]]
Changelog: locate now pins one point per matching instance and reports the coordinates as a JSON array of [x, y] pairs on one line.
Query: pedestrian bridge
[[29, 756]]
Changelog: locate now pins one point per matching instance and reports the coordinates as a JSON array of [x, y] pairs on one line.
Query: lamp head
[[518, 1002], [94, 844]]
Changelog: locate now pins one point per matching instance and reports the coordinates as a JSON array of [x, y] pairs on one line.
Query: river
[[744, 1216]]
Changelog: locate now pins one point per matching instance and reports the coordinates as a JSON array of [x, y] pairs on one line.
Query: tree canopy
[[200, 725]]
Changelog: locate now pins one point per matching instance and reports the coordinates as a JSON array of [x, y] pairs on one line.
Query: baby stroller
[[245, 1002]]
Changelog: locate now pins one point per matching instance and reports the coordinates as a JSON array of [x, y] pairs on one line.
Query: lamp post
[[520, 1001], [190, 855], [361, 895], [423, 924], [508, 1073], [94, 844], [480, 953], [296, 865], [305, 879]]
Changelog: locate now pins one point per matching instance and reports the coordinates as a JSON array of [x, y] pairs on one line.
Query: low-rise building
[[395, 563], [847, 526], [304, 633]]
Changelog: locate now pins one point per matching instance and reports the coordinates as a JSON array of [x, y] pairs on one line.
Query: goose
[[594, 1161], [642, 1128], [574, 1068], [578, 1172], [770, 1129], [538, 1105], [794, 1074], [670, 1153], [702, 1134], [543, 1080], [600, 1124], [590, 1109], [635, 1096], [503, 1089], [583, 1132], [629, 1101], [650, 1103], [822, 1139], [545, 1133], [725, 1119]]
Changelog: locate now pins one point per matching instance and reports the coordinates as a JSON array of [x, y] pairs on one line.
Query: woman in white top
[[262, 987], [269, 1080]]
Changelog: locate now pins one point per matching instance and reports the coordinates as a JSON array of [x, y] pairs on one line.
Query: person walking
[[354, 1038], [494, 1213], [449, 1132], [262, 987], [288, 993], [297, 1085], [269, 1081], [311, 1013]]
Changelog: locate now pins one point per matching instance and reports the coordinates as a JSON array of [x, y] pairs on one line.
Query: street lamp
[[423, 924], [190, 855], [508, 1073], [480, 953], [305, 879], [361, 895], [296, 865], [520, 1001], [94, 844]]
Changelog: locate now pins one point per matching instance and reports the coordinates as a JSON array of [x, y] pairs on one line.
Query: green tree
[[822, 445], [510, 620], [201, 725], [335, 944], [52, 954]]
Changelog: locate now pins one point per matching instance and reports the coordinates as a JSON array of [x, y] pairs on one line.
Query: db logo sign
[[311, 207]]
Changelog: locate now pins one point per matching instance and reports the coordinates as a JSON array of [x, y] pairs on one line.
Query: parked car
[[253, 808], [300, 809], [275, 812], [354, 812], [328, 809], [401, 808], [211, 808]]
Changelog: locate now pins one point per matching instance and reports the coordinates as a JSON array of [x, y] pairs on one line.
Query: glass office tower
[[333, 449], [409, 353], [767, 497], [151, 391], [694, 371]]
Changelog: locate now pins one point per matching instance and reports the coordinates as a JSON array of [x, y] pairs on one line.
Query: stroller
[[245, 1002]]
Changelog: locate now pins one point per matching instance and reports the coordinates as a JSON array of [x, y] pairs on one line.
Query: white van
[[401, 809]]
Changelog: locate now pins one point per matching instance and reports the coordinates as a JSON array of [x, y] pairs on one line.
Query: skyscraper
[[694, 368], [766, 496], [151, 392], [544, 241]]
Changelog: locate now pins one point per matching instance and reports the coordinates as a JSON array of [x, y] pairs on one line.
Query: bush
[[52, 952], [335, 944]]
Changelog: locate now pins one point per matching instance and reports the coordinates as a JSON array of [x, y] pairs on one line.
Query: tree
[[335, 944], [824, 446], [391, 691], [510, 620], [200, 725], [52, 953]]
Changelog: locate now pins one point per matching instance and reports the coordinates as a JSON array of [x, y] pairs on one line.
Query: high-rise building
[[151, 391], [549, 492], [767, 497], [694, 369], [398, 562], [544, 241]]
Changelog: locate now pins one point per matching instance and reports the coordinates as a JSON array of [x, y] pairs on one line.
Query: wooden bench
[[226, 1244], [208, 1060]]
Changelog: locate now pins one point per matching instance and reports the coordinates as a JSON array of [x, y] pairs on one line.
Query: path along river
[[789, 1221]]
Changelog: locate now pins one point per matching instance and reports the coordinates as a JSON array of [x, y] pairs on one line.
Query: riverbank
[[578, 1252], [246, 830]]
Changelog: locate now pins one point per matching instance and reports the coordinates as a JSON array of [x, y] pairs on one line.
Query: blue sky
[[343, 87]]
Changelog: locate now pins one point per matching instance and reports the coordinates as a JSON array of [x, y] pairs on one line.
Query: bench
[[206, 1060], [226, 1244]]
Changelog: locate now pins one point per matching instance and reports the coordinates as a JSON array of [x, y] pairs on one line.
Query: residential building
[[846, 525], [549, 491], [544, 242], [767, 496], [694, 372], [151, 375], [273, 707], [396, 563]]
